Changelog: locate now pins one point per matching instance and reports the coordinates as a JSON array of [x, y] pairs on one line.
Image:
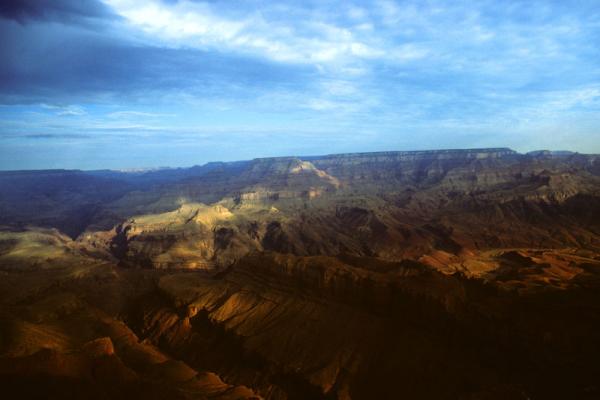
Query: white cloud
[[357, 13], [70, 110], [567, 100], [408, 52], [283, 38], [134, 114], [339, 88]]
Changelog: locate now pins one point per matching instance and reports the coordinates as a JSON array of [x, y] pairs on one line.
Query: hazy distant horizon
[[158, 167]]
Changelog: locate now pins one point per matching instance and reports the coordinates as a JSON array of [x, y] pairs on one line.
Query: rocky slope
[[388, 205], [62, 334]]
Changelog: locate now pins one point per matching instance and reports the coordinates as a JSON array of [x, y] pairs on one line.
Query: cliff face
[[350, 328], [391, 205], [406, 167], [468, 274], [62, 334], [301, 319]]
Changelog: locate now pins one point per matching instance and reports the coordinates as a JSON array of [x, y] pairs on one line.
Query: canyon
[[440, 274]]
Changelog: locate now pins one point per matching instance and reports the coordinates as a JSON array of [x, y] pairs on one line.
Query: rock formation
[[458, 274]]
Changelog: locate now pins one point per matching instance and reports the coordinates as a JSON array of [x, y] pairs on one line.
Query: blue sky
[[124, 84]]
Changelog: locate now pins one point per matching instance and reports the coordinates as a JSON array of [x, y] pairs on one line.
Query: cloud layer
[[233, 79]]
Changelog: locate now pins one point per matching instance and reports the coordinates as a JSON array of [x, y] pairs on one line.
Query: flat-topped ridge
[[500, 150], [407, 153]]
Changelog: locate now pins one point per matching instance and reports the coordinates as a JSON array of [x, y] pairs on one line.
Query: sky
[[121, 84]]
